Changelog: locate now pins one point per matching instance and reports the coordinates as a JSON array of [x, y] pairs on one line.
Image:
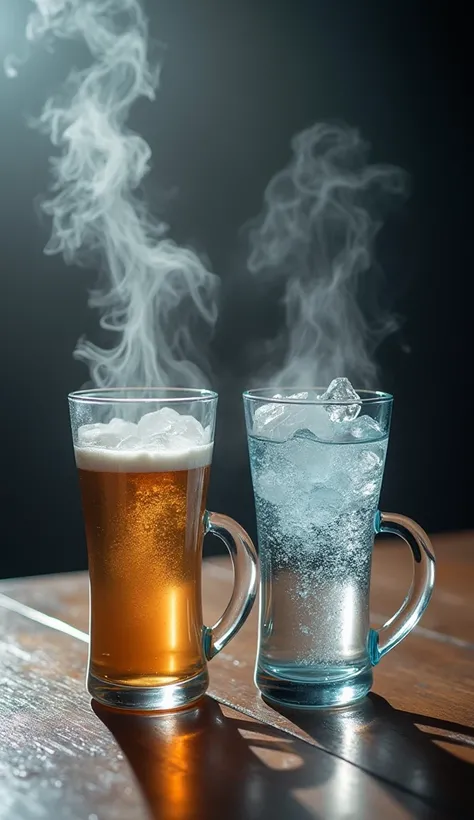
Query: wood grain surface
[[406, 751]]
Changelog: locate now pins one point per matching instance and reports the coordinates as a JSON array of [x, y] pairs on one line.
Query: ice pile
[[161, 440], [280, 421], [307, 478], [338, 419]]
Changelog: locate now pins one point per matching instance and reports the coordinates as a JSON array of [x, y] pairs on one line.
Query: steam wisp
[[152, 292], [316, 233]]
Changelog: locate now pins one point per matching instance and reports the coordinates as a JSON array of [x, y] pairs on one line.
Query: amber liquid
[[144, 539]]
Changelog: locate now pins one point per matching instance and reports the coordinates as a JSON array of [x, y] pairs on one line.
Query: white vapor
[[152, 291], [316, 233]]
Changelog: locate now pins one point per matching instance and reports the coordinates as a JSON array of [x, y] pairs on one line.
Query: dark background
[[239, 79]]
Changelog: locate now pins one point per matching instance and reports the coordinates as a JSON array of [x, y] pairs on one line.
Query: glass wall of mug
[[317, 467], [144, 459]]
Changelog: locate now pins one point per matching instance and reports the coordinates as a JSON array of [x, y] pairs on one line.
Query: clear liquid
[[315, 505]]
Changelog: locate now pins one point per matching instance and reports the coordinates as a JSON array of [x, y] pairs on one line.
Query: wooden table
[[406, 751]]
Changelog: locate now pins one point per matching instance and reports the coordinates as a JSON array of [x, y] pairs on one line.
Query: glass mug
[[143, 458], [317, 469]]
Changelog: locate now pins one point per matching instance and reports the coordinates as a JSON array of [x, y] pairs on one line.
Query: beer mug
[[317, 461], [143, 458]]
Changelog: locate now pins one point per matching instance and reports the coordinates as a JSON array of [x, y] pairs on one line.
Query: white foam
[[101, 459]]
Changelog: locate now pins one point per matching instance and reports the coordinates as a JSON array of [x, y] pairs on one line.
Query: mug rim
[[267, 394], [153, 395]]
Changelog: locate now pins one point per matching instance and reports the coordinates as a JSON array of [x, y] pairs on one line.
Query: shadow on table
[[387, 743], [197, 764]]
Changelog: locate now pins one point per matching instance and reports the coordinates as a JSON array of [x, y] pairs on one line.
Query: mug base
[[148, 698], [312, 694]]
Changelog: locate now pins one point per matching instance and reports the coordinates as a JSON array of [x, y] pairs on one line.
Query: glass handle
[[245, 564], [397, 628]]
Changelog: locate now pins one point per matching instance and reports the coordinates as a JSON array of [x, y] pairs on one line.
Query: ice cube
[[341, 390], [364, 428], [319, 423], [369, 460], [324, 505], [162, 424], [192, 429], [170, 441], [97, 435], [272, 487], [130, 443], [158, 421], [156, 441], [268, 416], [281, 421], [89, 432], [309, 456], [176, 442], [171, 415], [122, 428], [367, 469]]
